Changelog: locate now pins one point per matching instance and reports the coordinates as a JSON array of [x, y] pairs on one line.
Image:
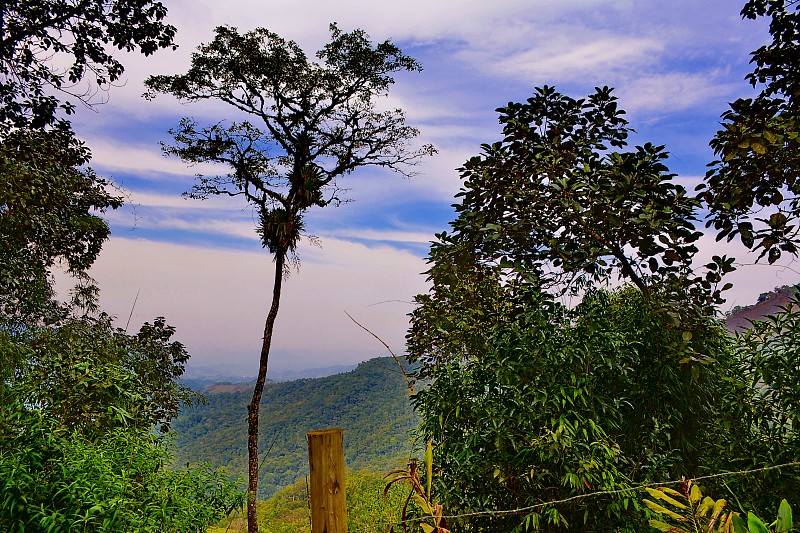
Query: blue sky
[[674, 66]]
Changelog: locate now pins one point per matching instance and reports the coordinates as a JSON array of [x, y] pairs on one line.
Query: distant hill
[[371, 404], [198, 376], [738, 319]]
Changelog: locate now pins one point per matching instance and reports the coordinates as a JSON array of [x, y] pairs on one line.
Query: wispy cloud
[[145, 162], [562, 55], [671, 92]]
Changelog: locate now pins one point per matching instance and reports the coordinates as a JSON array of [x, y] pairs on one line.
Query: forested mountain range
[[371, 404]]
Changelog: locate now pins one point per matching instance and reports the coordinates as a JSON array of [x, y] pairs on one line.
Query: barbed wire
[[527, 508]]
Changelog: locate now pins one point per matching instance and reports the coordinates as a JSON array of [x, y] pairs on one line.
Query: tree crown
[[316, 121]]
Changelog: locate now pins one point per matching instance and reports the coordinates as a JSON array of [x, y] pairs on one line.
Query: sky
[[674, 67]]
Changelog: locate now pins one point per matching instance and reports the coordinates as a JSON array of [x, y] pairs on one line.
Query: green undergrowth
[[287, 510]]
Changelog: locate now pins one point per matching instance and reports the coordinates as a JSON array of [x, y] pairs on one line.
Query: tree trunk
[[255, 404]]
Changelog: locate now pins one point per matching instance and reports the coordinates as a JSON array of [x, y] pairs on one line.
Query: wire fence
[[528, 508]]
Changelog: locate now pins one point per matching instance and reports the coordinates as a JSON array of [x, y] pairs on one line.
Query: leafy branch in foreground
[[421, 495], [688, 511], [55, 44], [753, 189]]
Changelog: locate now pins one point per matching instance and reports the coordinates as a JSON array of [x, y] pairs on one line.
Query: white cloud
[[209, 226], [176, 201], [143, 162], [437, 180], [416, 237], [568, 56], [674, 91]]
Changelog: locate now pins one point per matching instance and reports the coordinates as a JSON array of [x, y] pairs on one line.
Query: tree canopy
[[546, 403], [49, 200], [559, 201], [81, 402], [316, 122], [533, 400], [49, 213]]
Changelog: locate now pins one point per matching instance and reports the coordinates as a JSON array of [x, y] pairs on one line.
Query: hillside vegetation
[[371, 404], [287, 511]]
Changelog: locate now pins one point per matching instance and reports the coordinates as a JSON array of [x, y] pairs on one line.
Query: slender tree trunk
[[255, 404]]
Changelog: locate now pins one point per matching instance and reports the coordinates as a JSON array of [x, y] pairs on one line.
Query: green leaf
[[784, 521], [663, 526], [739, 525], [423, 504], [662, 510], [694, 493], [429, 467], [656, 493], [755, 525]]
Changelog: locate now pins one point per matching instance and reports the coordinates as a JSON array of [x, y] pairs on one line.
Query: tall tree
[[317, 121]]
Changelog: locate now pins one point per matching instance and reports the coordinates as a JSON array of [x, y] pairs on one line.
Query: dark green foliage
[[370, 403], [89, 376], [531, 400], [765, 398], [55, 479], [771, 351], [557, 202], [78, 450], [48, 201], [79, 399], [84, 31], [752, 190], [48, 213], [556, 403]]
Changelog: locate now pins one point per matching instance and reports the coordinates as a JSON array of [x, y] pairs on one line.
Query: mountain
[[371, 403], [739, 318], [198, 376]]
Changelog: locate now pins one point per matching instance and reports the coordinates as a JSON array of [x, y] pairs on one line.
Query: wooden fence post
[[327, 489]]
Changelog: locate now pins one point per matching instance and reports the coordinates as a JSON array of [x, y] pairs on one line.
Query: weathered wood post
[[327, 494]]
